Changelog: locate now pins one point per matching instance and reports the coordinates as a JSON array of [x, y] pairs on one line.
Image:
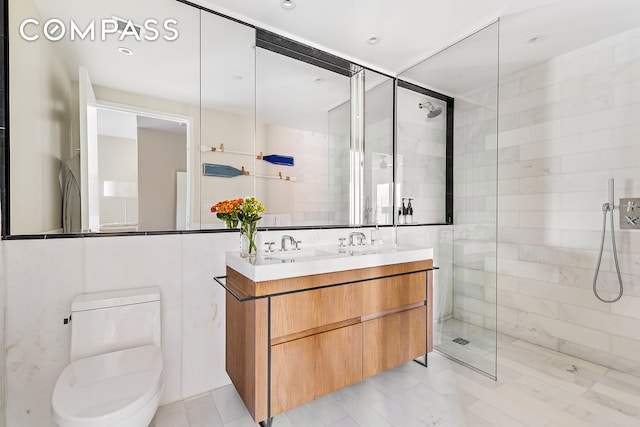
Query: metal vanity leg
[[424, 362], [269, 420]]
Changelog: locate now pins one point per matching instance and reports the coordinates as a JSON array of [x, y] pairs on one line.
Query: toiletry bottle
[[375, 236], [409, 217], [400, 216]]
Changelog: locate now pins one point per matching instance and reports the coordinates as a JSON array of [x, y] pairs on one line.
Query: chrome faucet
[[283, 242], [360, 236]]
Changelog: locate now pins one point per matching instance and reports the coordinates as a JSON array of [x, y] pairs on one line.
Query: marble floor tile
[[536, 387], [202, 412], [173, 415]]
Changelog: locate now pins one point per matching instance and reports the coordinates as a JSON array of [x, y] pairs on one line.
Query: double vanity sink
[[280, 264], [303, 323]]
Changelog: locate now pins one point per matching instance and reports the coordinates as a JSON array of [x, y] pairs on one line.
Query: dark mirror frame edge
[[264, 39]]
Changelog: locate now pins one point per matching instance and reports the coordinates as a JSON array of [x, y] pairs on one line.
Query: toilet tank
[[103, 322]]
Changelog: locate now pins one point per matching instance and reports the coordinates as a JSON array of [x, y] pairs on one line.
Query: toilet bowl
[[115, 378], [121, 388]]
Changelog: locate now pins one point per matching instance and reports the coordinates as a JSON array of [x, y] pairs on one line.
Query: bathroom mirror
[[423, 156], [377, 194], [122, 135], [107, 95], [227, 90], [303, 114]]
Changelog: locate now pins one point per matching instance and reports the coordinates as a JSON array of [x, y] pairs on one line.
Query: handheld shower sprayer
[[611, 204], [608, 207]]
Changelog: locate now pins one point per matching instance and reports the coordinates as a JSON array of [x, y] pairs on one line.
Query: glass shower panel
[[468, 72]]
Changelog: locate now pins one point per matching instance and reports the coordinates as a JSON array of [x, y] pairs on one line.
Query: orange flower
[[228, 210], [226, 206]]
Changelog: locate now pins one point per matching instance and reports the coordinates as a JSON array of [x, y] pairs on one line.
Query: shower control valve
[[629, 217], [631, 205]]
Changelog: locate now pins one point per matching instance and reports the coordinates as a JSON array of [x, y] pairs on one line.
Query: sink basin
[[322, 259], [292, 256]]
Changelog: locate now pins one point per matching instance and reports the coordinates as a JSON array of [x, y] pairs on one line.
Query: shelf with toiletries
[[405, 212]]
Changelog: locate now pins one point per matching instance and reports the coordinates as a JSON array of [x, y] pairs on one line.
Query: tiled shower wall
[[474, 232], [566, 126]]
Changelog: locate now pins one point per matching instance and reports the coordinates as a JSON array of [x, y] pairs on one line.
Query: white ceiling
[[412, 30], [409, 31]]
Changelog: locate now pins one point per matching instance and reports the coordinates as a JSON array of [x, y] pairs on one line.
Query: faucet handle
[[297, 247], [269, 246], [342, 239]]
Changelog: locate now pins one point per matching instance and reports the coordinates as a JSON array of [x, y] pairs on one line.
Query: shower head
[[433, 111]]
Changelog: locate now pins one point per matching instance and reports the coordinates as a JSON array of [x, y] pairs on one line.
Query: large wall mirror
[[303, 113], [104, 115], [138, 117]]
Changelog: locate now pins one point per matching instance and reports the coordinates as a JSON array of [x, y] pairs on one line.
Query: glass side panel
[[465, 326]]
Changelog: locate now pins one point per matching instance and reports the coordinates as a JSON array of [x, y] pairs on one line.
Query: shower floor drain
[[461, 341]]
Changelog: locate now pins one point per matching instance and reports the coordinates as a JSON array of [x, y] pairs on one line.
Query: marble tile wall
[[421, 163], [566, 127], [475, 212], [43, 275]]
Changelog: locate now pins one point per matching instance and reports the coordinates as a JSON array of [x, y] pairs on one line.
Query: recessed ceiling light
[[373, 40], [319, 80], [288, 4], [125, 51], [534, 39]]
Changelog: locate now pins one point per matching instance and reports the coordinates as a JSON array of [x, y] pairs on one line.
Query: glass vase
[[248, 234]]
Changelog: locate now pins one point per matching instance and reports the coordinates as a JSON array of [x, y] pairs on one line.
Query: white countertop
[[322, 259]]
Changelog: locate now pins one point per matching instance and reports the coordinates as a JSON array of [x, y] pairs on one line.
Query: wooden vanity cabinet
[[307, 368], [323, 332]]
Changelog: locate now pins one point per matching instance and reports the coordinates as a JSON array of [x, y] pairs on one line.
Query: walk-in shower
[[608, 207]]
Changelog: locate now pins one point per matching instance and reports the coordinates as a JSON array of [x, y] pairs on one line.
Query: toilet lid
[[104, 389]]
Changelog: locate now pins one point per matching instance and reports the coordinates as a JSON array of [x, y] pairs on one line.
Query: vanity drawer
[[315, 309], [390, 293], [392, 340], [305, 369]]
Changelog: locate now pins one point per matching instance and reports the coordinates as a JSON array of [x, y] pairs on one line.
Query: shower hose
[[606, 207]]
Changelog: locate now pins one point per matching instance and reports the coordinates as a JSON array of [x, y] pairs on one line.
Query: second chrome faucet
[[293, 243], [361, 238]]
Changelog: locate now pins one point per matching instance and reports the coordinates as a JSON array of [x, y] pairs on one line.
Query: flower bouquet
[[246, 213]]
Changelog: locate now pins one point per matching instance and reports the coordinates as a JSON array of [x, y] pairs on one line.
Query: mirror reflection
[[377, 204], [127, 124], [227, 89], [421, 160], [103, 113], [303, 114]]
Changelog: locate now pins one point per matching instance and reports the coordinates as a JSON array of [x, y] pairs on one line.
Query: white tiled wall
[[475, 187], [421, 164], [566, 126], [43, 275]]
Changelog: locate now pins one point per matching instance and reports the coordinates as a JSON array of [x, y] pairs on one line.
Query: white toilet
[[115, 378]]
